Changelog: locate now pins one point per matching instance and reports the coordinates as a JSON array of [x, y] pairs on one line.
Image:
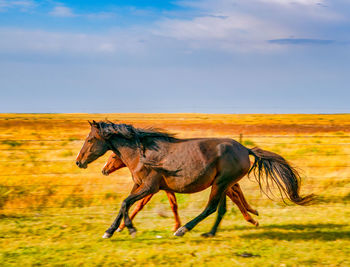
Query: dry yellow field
[[43, 194]]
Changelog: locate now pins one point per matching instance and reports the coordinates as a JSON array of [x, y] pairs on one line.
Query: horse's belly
[[195, 163], [191, 178]]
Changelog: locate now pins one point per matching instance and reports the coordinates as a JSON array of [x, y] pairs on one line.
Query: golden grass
[[38, 177], [38, 151]]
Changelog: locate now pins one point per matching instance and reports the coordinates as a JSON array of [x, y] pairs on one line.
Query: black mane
[[144, 138]]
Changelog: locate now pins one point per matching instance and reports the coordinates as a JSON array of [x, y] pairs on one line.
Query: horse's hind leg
[[221, 213], [173, 205], [217, 191], [230, 170], [235, 198], [239, 192], [137, 209]]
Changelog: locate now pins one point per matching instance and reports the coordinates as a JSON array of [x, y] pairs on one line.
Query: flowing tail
[[275, 168]]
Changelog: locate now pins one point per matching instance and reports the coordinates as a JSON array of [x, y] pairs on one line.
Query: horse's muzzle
[[80, 165], [105, 172]]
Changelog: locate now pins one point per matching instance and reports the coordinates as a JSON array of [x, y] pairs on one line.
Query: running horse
[[160, 161], [235, 193]]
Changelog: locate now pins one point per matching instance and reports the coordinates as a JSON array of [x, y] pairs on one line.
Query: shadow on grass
[[167, 239], [289, 236], [14, 216], [287, 227], [333, 199], [311, 226], [325, 232]]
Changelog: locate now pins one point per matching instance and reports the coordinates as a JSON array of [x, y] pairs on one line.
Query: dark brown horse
[[159, 161], [235, 193]]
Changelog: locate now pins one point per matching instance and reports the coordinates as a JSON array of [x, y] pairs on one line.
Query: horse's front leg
[[137, 209], [118, 219], [151, 187]]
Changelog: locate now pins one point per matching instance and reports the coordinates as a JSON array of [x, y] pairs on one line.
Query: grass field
[[52, 213]]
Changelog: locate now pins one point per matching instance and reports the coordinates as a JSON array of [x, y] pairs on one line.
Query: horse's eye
[[89, 141]]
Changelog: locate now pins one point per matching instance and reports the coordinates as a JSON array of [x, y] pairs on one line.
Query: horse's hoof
[[107, 235], [256, 224], [181, 231], [119, 230], [207, 235], [132, 232], [256, 213]]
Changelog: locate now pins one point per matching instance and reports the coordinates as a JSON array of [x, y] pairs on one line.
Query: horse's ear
[[96, 124], [90, 123]]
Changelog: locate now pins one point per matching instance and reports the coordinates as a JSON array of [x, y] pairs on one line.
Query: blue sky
[[211, 56]]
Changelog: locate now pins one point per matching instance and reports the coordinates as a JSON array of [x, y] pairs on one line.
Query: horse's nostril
[[77, 163]]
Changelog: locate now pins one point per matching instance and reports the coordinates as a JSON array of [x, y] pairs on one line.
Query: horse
[[159, 161], [235, 193]]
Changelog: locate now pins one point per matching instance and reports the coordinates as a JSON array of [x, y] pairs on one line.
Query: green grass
[[288, 236]]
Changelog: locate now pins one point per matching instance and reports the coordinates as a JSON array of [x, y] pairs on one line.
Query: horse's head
[[99, 141], [95, 146], [114, 163]]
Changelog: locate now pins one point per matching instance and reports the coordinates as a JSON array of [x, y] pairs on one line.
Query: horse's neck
[[129, 156]]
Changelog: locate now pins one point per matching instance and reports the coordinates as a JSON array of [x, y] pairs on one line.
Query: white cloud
[[73, 44], [106, 47], [228, 32], [62, 11], [295, 2], [216, 25], [247, 25], [306, 9], [22, 5]]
